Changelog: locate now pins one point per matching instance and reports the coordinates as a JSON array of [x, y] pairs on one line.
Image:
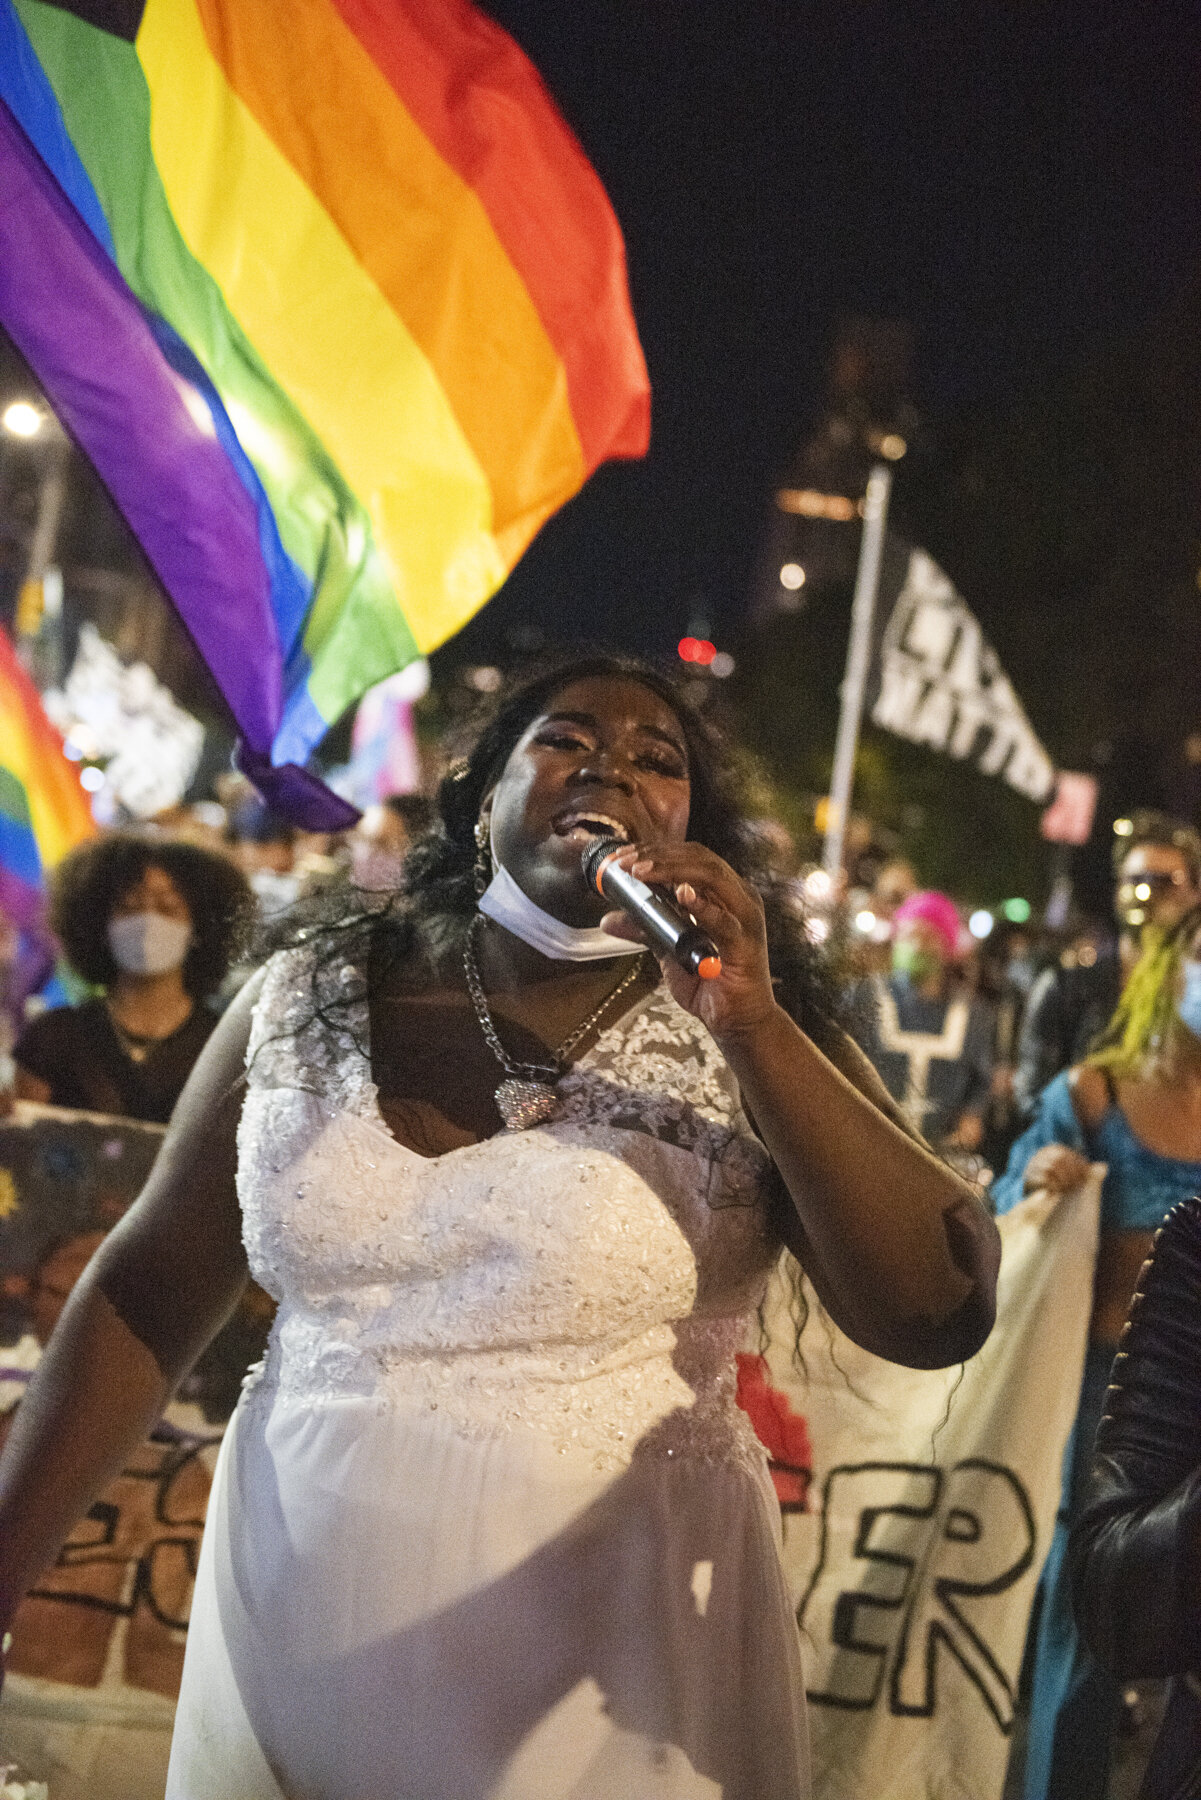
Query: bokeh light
[[22, 419]]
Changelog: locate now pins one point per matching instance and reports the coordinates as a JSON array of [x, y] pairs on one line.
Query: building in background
[[867, 416]]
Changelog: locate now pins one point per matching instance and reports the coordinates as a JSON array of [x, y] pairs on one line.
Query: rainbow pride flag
[[335, 304], [43, 810]]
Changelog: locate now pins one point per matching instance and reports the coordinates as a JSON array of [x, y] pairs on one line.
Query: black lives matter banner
[[936, 681], [930, 1507]]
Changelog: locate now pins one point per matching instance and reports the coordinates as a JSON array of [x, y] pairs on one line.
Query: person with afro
[[152, 923]]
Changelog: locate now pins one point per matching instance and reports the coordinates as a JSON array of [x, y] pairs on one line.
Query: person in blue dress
[[1134, 1104]]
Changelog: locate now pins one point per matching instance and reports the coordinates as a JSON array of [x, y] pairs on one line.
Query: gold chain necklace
[[527, 1095]]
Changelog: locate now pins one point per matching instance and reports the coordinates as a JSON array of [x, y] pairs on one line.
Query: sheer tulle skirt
[[389, 1609]]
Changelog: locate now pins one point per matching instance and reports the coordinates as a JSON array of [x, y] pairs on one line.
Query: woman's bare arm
[[156, 1292], [901, 1250]]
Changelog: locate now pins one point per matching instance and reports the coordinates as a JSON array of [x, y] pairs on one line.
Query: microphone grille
[[594, 855]]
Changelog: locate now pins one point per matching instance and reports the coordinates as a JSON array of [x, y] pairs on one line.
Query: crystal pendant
[[522, 1103]]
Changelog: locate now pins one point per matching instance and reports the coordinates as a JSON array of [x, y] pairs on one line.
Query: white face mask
[[147, 943], [275, 893], [1189, 1004], [512, 907]]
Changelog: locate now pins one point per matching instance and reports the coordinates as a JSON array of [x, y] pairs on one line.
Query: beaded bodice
[[589, 1279]]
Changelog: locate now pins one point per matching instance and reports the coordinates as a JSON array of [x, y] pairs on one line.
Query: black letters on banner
[[910, 1578]]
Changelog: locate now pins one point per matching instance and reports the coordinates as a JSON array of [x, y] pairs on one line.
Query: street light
[[22, 419]]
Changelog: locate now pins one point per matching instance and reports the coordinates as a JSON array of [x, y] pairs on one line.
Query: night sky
[[1020, 184], [1018, 181]]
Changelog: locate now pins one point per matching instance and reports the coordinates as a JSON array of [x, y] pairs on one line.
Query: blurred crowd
[[967, 1014], [966, 1026]]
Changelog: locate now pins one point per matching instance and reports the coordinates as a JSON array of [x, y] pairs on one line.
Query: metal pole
[[38, 619], [854, 685], [51, 494]]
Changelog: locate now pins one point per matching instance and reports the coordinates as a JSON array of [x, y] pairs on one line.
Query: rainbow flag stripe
[[336, 305], [43, 810]]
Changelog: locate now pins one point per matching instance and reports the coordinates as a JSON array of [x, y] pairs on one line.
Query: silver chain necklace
[[527, 1095]]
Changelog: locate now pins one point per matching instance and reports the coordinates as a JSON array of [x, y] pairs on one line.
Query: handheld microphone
[[665, 925]]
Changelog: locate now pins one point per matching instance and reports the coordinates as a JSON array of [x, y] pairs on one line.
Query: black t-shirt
[[75, 1050]]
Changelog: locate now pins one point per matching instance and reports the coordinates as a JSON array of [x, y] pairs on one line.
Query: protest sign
[[915, 1539]]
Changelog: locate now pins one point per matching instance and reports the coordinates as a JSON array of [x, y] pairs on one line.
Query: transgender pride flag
[[335, 304]]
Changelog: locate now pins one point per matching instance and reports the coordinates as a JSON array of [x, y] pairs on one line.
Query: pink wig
[[936, 909]]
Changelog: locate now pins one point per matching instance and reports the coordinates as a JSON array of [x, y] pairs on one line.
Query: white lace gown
[[488, 1524]]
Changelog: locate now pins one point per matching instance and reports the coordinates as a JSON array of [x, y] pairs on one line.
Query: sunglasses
[[1144, 887]]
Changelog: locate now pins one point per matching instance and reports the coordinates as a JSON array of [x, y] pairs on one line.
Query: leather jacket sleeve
[[1136, 1549]]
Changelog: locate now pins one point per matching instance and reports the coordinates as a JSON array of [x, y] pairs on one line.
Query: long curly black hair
[[437, 897]]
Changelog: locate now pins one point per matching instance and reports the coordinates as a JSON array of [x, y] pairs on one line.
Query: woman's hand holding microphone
[[736, 998]]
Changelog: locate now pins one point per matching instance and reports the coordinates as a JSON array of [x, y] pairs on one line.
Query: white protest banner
[[931, 1507], [938, 682]]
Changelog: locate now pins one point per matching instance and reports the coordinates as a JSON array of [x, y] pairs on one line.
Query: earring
[[482, 873]]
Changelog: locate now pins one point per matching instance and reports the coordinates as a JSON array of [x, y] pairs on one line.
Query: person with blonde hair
[[1134, 1104]]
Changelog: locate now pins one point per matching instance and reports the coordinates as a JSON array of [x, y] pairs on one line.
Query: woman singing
[[488, 1521]]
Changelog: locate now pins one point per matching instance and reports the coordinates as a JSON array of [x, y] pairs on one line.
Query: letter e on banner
[[875, 1527]]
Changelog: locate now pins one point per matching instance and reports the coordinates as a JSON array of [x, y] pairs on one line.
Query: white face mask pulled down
[[148, 943], [512, 907]]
